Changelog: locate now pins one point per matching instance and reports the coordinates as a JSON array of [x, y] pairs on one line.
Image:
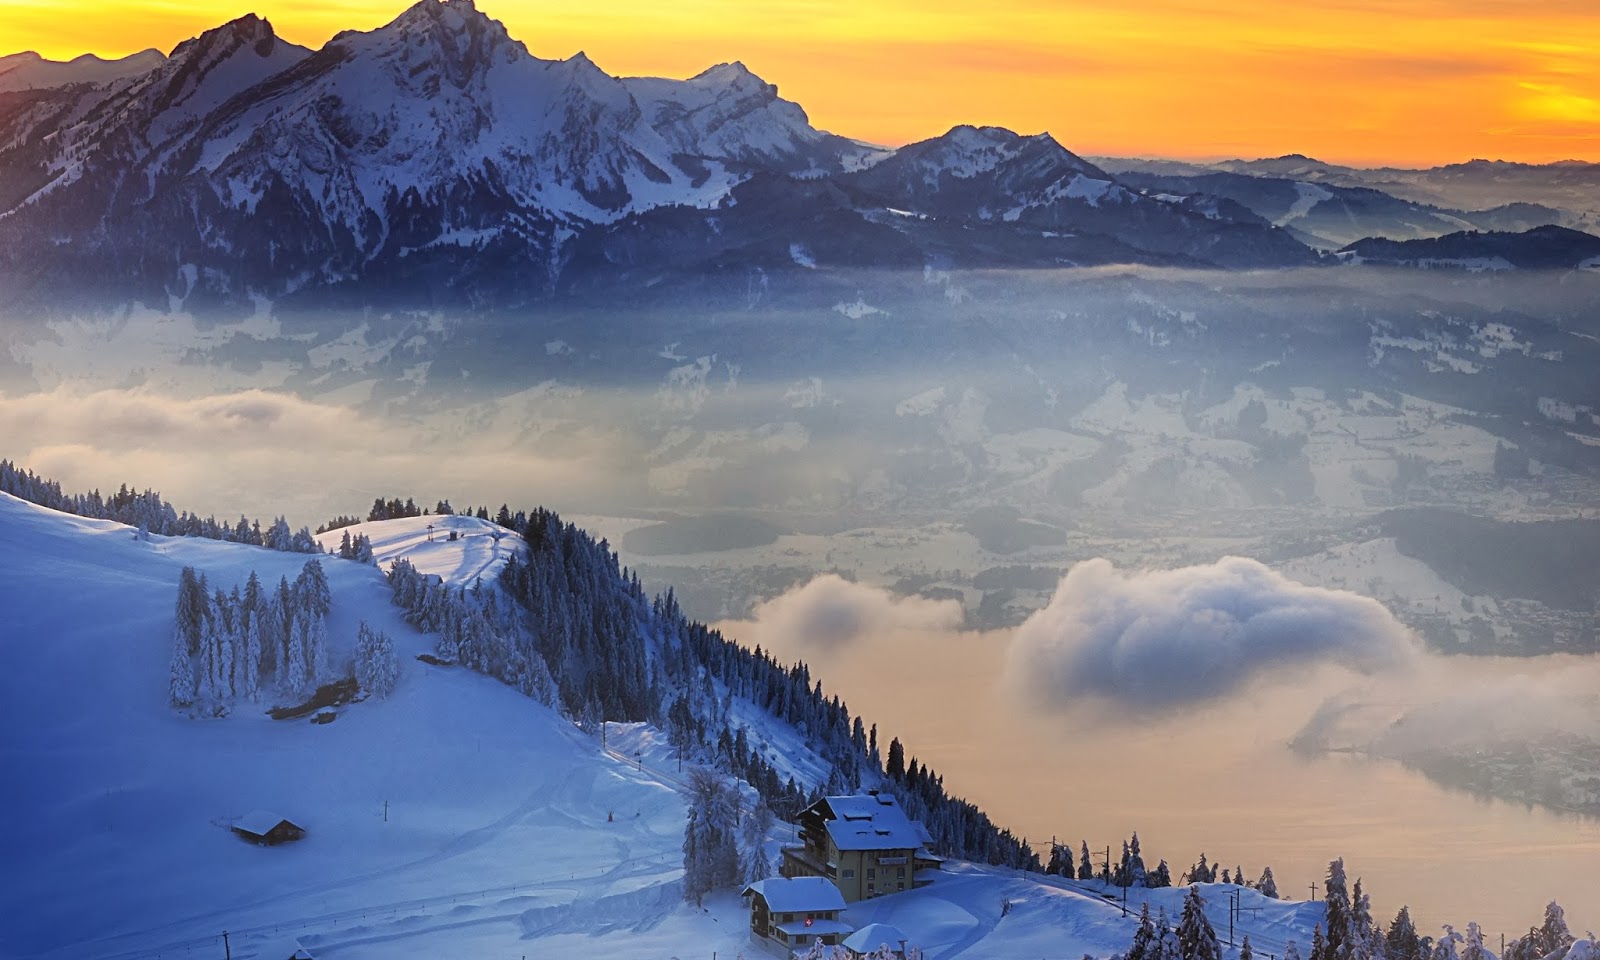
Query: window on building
[[849, 874], [901, 885], [788, 917], [872, 873], [901, 872]]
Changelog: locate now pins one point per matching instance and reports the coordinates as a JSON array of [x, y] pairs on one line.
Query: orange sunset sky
[[1410, 82]]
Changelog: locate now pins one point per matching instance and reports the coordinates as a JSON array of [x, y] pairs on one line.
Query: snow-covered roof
[[816, 927], [798, 894], [873, 822], [874, 935], [260, 822]]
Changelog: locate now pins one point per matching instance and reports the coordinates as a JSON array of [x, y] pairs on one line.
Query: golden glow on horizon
[[1358, 81]]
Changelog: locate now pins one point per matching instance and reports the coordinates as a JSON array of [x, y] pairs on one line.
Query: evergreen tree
[[293, 678], [1401, 942], [1137, 875], [1160, 877], [180, 678], [1201, 872], [710, 852], [1553, 932], [754, 829], [1145, 938], [1267, 884], [377, 669], [1445, 947], [1475, 950], [1319, 945], [1245, 953], [251, 658], [1085, 864], [1195, 936], [1291, 951], [1337, 897], [1365, 943], [897, 760]]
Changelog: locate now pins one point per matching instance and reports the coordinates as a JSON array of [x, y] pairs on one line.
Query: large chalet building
[[865, 845]]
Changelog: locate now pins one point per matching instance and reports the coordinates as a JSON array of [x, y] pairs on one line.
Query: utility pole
[[227, 951], [1233, 909], [385, 811]]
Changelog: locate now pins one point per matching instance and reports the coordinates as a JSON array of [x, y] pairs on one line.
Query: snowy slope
[[456, 818], [480, 549]]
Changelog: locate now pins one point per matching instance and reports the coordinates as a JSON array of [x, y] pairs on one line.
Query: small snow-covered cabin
[[265, 827], [794, 914], [874, 937]]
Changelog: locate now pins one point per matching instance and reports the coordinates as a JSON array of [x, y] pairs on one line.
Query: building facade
[[865, 845], [793, 914]]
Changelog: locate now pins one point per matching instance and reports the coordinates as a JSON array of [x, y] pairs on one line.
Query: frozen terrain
[[456, 818]]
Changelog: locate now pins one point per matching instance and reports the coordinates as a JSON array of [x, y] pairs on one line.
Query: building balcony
[[803, 861]]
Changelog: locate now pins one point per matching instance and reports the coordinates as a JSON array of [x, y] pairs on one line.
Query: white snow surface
[[456, 818]]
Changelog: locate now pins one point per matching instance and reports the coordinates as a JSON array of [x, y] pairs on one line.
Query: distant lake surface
[[1219, 781]]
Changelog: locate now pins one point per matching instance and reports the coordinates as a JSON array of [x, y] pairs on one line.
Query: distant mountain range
[[1543, 248], [436, 160]]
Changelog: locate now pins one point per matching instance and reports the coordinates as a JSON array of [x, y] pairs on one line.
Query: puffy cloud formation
[[1166, 638], [830, 613]]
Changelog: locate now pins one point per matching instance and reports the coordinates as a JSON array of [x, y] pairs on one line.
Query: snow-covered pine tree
[[1238, 876], [1160, 877], [278, 536], [1553, 933], [1201, 872], [293, 675], [1401, 943], [1291, 951], [180, 673], [1337, 897], [1245, 952], [361, 549], [251, 658], [1053, 865], [1319, 945], [1145, 938], [1195, 936], [1365, 943], [753, 832], [377, 669], [710, 851], [1168, 946], [1474, 949], [1267, 884], [1085, 863], [1445, 947], [1137, 875], [312, 589], [191, 610]]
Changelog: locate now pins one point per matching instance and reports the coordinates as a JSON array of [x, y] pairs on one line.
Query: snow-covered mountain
[[435, 159], [30, 71]]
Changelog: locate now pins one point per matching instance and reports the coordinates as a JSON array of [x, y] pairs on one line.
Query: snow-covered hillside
[[456, 818]]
